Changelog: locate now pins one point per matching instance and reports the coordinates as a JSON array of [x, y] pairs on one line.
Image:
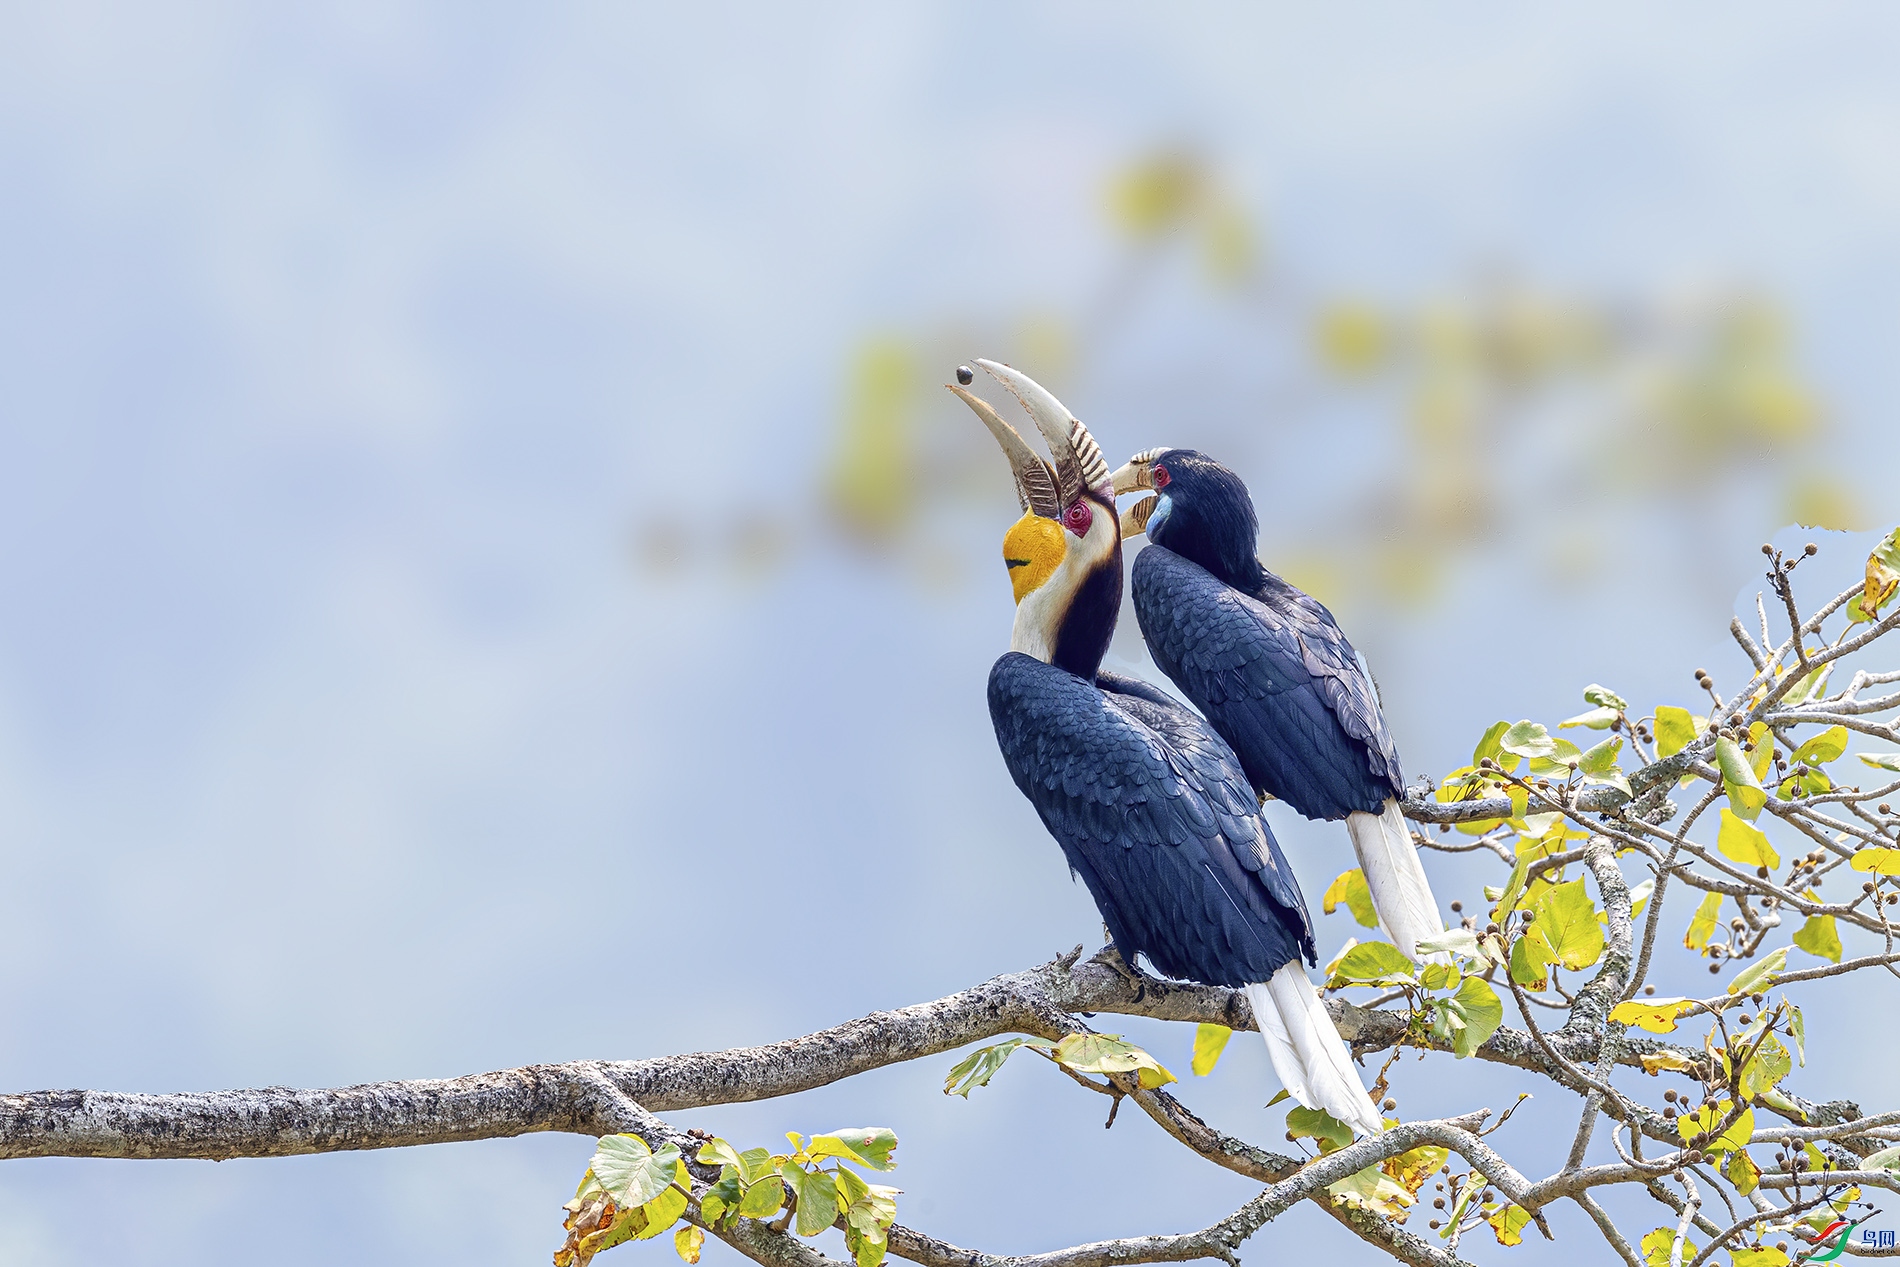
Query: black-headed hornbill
[[1271, 670], [1150, 806]]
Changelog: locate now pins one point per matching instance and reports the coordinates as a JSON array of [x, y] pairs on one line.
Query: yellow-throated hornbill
[[1271, 670], [1151, 807]]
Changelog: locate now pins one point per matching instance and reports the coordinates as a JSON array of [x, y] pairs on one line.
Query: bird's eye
[[1078, 518], [1161, 476]]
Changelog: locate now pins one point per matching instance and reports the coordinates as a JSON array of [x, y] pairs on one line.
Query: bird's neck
[[1228, 555], [1070, 620]]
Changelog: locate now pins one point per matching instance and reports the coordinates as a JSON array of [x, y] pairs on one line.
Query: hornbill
[[1150, 806], [1271, 670]]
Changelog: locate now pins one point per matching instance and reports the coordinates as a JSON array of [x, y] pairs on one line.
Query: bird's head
[[1199, 509], [1064, 554]]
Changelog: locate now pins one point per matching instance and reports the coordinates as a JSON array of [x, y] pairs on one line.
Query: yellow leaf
[[1742, 1171], [1675, 730], [687, 1241], [1658, 1016], [1702, 924], [1703, 1121], [1351, 888], [1654, 1061], [1819, 937], [1371, 1189], [1883, 578], [1763, 756], [1507, 1223], [1745, 843], [1209, 1041], [1878, 861], [1658, 1244], [1411, 1169]]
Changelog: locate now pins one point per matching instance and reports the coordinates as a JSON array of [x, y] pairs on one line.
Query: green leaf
[[1882, 760], [1318, 1124], [1659, 1244], [1527, 964], [1766, 1068], [632, 1173], [1600, 759], [817, 1194], [1563, 752], [1513, 890], [1798, 1030], [1745, 795], [1702, 924], [1885, 1159], [1595, 719], [717, 1152], [1374, 961], [1528, 739], [1567, 926], [1756, 1256], [1811, 687], [1675, 730], [1745, 843], [976, 1069], [1457, 941], [1351, 888], [1440, 976], [1604, 697], [763, 1199], [1489, 747], [1107, 1053], [756, 1163], [1822, 748], [1477, 1004], [1761, 975], [868, 1146], [1819, 937], [1209, 1041]]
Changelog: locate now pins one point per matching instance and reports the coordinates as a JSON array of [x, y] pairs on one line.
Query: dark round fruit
[[965, 375]]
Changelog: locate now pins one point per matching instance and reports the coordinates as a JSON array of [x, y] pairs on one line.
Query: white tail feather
[[1307, 1052], [1400, 892]]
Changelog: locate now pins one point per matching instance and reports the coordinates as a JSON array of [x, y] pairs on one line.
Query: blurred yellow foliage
[[1157, 194], [870, 486], [1352, 338]]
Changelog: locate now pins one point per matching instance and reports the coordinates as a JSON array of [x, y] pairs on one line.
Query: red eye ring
[[1078, 517], [1161, 476]]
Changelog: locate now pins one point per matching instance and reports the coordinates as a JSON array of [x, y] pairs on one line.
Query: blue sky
[[343, 354]]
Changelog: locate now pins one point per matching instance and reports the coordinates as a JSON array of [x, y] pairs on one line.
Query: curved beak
[[1132, 475], [1035, 482], [1078, 459], [1134, 520]]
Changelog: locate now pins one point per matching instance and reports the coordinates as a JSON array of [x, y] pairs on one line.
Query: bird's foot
[[1111, 958]]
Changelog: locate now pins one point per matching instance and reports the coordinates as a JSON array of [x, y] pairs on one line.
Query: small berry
[[965, 375]]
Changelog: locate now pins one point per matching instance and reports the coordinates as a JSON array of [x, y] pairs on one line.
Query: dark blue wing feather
[[1277, 679], [1152, 810]]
